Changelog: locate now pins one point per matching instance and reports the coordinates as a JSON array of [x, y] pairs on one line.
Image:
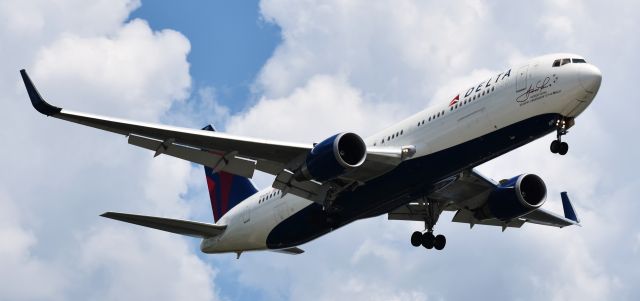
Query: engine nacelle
[[333, 157], [514, 198]]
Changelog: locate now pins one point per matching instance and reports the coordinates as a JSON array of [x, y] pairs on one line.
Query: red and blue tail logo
[[226, 190]]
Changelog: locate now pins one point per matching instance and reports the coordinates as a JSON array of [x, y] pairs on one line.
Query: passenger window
[[565, 61], [429, 118], [401, 132], [556, 63]]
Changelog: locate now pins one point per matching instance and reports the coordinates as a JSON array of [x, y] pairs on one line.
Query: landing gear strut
[[557, 146], [426, 238]]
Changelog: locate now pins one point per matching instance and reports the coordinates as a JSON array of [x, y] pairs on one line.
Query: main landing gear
[[426, 238], [557, 146]]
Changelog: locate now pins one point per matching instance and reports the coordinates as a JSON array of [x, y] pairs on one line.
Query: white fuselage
[[516, 94]]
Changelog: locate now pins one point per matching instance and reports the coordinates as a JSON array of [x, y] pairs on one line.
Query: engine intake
[[333, 157], [514, 198]]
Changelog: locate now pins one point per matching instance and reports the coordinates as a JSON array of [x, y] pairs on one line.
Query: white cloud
[[127, 261], [386, 49], [323, 106], [134, 68], [59, 177], [19, 267], [557, 27]]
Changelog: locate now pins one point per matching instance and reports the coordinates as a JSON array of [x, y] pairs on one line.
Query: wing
[[189, 228], [471, 190], [234, 154]]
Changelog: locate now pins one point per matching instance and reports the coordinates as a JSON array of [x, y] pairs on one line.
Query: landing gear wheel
[[416, 239], [439, 242], [428, 240], [555, 146], [563, 148]]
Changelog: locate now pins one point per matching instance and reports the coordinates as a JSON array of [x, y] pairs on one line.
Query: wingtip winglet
[[36, 100], [569, 212]]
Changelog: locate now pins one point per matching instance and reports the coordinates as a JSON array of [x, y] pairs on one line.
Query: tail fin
[[226, 190]]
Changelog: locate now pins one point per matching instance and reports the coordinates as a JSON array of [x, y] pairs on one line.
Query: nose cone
[[590, 78]]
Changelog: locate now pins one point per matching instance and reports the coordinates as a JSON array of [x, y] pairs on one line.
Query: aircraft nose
[[590, 78]]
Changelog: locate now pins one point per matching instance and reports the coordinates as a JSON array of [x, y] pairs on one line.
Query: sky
[[300, 71]]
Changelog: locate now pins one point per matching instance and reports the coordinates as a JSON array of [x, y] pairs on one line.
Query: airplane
[[412, 171]]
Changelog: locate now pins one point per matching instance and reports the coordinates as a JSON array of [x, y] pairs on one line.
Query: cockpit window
[[577, 61], [561, 62]]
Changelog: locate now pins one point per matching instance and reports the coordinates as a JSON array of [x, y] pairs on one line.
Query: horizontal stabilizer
[[183, 227]]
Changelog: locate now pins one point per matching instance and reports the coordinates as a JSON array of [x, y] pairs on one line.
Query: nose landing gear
[[557, 146]]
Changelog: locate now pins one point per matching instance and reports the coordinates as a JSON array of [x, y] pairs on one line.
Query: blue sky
[[311, 70], [230, 42]]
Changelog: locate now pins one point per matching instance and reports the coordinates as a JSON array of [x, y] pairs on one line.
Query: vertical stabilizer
[[226, 190]]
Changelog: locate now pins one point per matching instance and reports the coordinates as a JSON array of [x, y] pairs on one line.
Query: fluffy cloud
[[59, 177], [387, 49], [20, 267], [323, 106], [135, 68]]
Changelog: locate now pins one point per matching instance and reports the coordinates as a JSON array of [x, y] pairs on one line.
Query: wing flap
[[466, 217], [183, 227], [290, 251], [218, 161], [257, 149]]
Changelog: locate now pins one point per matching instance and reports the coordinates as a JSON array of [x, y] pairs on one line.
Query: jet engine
[[514, 198], [333, 157]]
